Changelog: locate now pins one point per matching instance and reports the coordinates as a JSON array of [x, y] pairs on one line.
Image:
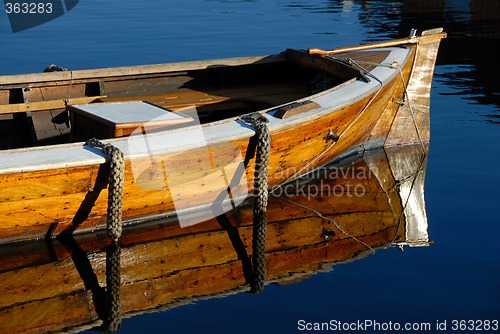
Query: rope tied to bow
[[115, 188], [258, 122]]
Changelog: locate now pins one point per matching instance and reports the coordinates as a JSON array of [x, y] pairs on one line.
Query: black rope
[[55, 68], [113, 320], [260, 200], [115, 189]]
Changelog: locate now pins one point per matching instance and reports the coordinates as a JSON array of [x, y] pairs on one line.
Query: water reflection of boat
[[319, 104], [365, 201]]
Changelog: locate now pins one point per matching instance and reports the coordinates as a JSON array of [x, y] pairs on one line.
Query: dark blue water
[[457, 277]]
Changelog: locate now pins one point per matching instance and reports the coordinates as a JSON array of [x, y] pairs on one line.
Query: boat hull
[[63, 188]]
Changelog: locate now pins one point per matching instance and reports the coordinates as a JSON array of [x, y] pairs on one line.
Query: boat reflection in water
[[360, 203]]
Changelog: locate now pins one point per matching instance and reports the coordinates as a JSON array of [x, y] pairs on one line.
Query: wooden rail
[[79, 75], [45, 105]]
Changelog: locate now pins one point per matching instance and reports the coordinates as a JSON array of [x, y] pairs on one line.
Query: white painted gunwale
[[77, 155]]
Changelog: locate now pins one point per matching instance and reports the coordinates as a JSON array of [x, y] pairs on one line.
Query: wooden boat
[[58, 284], [318, 104]]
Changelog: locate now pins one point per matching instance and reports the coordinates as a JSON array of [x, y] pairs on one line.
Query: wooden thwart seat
[[118, 119]]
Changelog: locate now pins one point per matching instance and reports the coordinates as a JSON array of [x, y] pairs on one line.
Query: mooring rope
[[115, 189], [55, 68], [113, 320], [260, 200]]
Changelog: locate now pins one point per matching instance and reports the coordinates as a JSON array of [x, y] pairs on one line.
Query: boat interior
[[38, 113]]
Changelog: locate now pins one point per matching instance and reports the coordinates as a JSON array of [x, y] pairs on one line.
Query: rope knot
[[254, 119]]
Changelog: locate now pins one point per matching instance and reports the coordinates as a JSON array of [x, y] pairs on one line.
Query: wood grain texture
[[45, 203], [292, 149], [77, 75], [44, 105], [176, 264], [412, 125]]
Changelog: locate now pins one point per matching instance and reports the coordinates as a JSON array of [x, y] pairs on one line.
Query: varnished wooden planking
[[166, 257], [309, 140], [381, 129], [184, 253], [382, 173], [63, 208], [412, 124], [409, 127], [78, 308], [332, 195], [296, 240], [303, 149], [147, 294], [26, 186], [44, 316]]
